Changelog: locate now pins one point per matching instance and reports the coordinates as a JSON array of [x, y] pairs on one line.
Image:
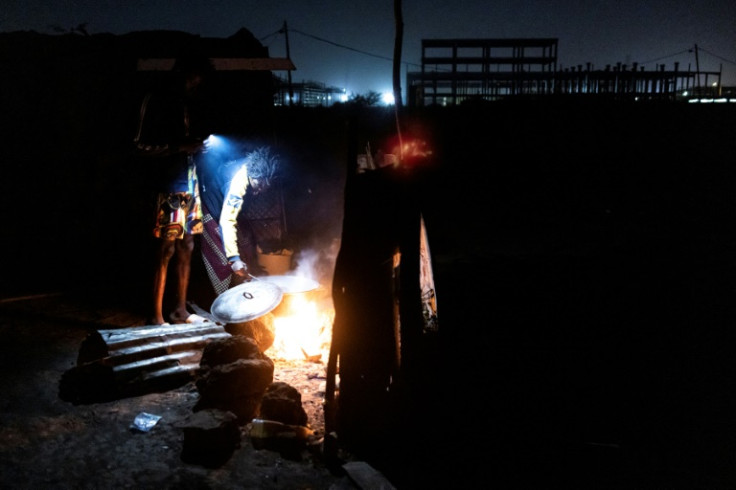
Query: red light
[[412, 151]]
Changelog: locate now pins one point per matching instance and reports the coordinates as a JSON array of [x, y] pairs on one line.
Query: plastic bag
[[145, 421]]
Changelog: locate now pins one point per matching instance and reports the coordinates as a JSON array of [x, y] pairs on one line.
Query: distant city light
[[720, 100], [388, 98]]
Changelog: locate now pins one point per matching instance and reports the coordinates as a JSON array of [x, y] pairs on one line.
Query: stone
[[237, 387], [227, 350], [210, 437], [283, 403], [262, 330]]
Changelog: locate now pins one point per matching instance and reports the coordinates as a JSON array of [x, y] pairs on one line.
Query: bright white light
[[217, 146], [213, 140], [388, 98], [343, 97]]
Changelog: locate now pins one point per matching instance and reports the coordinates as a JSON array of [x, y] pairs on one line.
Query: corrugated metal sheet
[[131, 361]]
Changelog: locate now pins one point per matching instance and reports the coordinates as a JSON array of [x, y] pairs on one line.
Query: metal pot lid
[[246, 302], [291, 284]]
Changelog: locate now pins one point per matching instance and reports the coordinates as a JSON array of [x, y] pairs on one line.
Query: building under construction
[[307, 94], [455, 71]]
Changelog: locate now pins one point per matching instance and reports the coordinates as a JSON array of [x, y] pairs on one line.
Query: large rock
[[262, 330], [210, 437], [282, 423], [233, 376], [227, 350], [237, 387], [283, 403]]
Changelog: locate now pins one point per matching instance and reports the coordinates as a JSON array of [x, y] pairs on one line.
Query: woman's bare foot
[[177, 317]]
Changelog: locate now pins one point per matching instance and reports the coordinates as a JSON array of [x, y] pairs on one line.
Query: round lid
[[291, 284], [246, 302]]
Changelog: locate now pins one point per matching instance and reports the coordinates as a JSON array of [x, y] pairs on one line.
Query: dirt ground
[[645, 420], [46, 442]]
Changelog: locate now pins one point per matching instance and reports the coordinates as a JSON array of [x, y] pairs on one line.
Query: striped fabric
[[215, 262]]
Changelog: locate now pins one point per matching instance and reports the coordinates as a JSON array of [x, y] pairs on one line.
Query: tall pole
[[288, 72], [399, 20], [697, 67]]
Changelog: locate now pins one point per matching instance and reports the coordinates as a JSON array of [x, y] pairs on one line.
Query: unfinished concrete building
[[456, 71]]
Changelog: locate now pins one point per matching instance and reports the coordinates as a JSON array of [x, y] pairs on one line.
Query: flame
[[303, 332]]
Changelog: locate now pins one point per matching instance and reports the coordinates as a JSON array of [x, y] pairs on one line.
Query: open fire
[[303, 330]]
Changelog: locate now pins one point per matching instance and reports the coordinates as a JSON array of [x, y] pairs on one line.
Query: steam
[[317, 264], [306, 264]]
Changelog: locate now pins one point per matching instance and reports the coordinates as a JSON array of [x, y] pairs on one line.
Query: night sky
[[350, 44]]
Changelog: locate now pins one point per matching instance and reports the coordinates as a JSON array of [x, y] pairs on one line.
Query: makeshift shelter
[[383, 295]]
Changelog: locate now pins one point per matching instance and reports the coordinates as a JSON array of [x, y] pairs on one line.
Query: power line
[[343, 46], [280, 31], [690, 50], [406, 63], [716, 56], [668, 56]]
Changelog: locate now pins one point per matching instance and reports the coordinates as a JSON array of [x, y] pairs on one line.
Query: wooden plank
[[366, 477]]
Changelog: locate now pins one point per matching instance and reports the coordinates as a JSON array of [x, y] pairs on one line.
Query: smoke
[[317, 264]]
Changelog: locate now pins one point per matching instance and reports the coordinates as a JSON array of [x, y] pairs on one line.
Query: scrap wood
[[366, 477]]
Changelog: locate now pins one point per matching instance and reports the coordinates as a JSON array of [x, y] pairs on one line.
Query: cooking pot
[[293, 287], [291, 284]]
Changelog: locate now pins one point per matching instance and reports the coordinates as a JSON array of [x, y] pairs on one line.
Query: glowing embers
[[302, 330]]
